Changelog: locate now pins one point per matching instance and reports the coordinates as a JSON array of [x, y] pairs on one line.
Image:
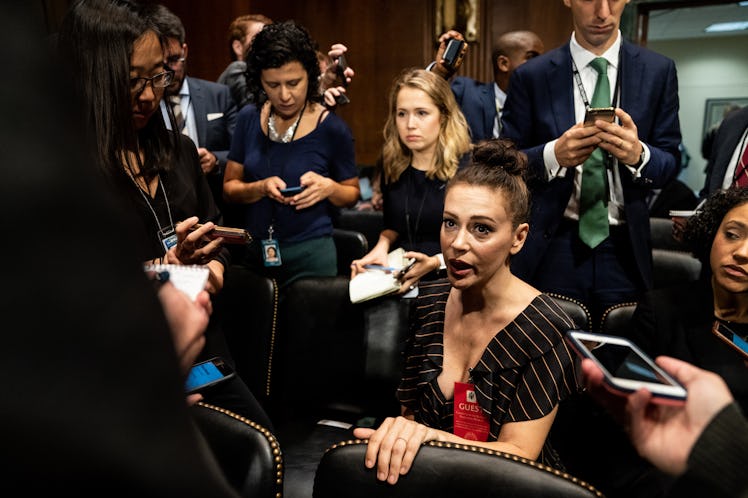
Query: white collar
[[582, 57]]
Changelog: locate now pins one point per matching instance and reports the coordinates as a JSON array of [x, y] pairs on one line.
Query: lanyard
[[148, 202], [578, 80]]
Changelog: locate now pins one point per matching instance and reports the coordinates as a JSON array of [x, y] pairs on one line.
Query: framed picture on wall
[[716, 109]]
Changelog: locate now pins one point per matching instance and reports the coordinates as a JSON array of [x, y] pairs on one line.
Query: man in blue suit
[[208, 112], [482, 103], [728, 148], [546, 104]]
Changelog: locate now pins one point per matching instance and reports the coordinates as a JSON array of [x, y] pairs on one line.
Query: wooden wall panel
[[383, 37]]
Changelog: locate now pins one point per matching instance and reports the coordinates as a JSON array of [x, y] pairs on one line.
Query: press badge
[[271, 255], [168, 237], [469, 420]]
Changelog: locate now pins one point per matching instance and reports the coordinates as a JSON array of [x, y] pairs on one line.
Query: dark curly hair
[[702, 227], [499, 165], [277, 45]]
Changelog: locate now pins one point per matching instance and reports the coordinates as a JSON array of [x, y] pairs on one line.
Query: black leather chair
[[248, 453], [576, 310], [350, 245], [248, 304], [661, 233], [445, 470], [616, 320], [670, 268], [369, 223]]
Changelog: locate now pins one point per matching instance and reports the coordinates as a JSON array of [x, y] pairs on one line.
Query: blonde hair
[[454, 137]]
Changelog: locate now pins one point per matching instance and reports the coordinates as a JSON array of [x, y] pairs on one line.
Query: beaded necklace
[[290, 132]]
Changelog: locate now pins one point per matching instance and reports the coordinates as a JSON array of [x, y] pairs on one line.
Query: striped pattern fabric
[[525, 371]]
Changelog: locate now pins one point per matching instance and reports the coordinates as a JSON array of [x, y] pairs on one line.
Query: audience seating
[[369, 223], [248, 454], [670, 268], [248, 306], [661, 233], [445, 470], [350, 245], [616, 320], [576, 310]]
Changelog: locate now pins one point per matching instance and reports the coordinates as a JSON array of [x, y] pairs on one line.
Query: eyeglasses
[[173, 60], [161, 80]]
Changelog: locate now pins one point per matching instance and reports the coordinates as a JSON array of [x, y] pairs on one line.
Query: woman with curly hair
[[486, 364], [291, 161], [425, 137], [678, 321]]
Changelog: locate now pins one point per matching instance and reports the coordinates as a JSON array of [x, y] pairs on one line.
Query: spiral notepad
[[190, 279]]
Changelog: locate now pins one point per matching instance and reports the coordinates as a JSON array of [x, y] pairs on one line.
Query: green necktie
[[593, 200]]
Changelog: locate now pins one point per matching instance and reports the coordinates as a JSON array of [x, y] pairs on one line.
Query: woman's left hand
[[194, 247], [394, 446], [318, 188]]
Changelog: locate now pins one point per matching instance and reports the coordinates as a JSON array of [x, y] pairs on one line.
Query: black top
[[413, 207], [677, 322], [188, 193], [525, 371]]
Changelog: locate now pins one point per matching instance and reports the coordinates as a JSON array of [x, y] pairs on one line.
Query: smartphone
[[453, 52], [626, 367], [602, 113], [292, 191], [340, 68], [230, 235], [733, 335], [206, 374]]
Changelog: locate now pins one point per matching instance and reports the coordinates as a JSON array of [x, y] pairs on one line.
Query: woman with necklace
[[678, 321], [425, 138], [291, 161]]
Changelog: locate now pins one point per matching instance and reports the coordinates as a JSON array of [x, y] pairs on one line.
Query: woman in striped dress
[[487, 363]]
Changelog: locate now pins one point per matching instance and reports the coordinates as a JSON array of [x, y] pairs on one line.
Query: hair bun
[[502, 154]]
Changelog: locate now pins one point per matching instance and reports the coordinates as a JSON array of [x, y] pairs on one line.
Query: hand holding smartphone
[[292, 191], [734, 335], [230, 235], [625, 367], [453, 53], [206, 374], [340, 69], [602, 113]]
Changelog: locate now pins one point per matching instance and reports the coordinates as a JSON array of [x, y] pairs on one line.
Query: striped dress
[[525, 371]]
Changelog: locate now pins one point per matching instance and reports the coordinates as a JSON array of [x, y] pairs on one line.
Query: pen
[[380, 267]]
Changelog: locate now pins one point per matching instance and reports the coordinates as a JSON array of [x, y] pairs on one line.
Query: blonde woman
[[425, 139]]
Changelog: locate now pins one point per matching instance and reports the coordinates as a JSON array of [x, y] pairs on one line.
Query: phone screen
[[733, 335], [201, 375], [623, 362]]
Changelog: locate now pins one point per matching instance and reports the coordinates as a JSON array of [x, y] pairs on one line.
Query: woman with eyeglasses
[[155, 170], [116, 61]]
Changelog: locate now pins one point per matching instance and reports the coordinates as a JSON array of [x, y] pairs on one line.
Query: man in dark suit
[[208, 112], [546, 104], [728, 148], [482, 103]]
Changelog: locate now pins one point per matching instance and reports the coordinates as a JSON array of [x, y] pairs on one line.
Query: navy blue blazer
[[540, 108], [725, 141], [478, 103]]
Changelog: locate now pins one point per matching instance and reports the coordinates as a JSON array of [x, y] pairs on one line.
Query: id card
[[168, 237], [271, 255], [469, 420]]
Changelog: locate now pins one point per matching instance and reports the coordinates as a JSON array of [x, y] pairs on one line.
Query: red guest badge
[[469, 420]]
